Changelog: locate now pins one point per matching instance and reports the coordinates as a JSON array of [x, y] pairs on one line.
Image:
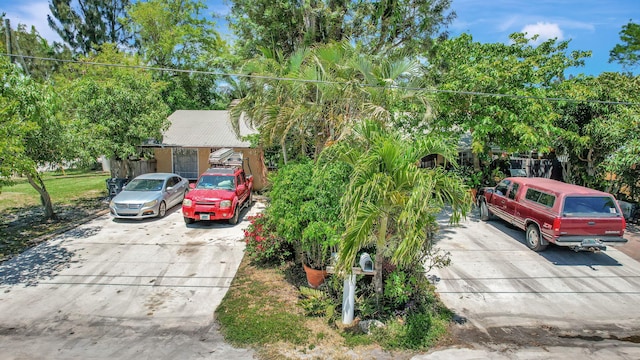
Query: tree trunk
[[284, 152], [45, 198], [476, 161], [378, 282]]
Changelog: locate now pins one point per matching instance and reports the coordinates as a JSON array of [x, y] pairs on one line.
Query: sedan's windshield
[[215, 182], [145, 185]]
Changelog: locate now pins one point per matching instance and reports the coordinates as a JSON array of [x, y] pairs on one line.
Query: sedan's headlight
[[150, 203], [225, 204], [187, 202], [112, 203]]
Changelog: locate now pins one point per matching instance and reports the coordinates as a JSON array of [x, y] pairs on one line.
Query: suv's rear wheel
[[534, 239]]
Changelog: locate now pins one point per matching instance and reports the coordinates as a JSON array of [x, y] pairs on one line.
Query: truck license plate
[[587, 242], [204, 217]]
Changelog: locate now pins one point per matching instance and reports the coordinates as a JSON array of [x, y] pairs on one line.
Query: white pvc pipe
[[348, 299]]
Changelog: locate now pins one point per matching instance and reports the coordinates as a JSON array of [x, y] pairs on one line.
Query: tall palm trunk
[[38, 184]]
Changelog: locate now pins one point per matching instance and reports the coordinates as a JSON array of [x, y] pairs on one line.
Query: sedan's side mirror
[[169, 188]]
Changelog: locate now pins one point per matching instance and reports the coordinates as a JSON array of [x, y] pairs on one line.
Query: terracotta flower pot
[[315, 277], [474, 196]]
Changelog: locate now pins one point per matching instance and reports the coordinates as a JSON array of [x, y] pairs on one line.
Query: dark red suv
[[551, 211]]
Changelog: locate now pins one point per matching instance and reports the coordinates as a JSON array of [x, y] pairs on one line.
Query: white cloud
[[545, 31]]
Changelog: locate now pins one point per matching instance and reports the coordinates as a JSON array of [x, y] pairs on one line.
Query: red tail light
[[556, 225], [624, 225]]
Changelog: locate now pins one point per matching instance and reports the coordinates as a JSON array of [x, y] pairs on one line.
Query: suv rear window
[[540, 197], [589, 205]]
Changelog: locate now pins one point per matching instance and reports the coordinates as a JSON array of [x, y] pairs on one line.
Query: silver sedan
[[149, 195]]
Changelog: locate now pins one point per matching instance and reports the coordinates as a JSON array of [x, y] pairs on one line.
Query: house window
[[185, 162], [465, 158]]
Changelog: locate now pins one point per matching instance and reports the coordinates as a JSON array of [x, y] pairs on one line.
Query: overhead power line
[[276, 78]]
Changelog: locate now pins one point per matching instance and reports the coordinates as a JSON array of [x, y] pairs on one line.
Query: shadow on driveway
[[563, 256], [42, 261], [38, 263]]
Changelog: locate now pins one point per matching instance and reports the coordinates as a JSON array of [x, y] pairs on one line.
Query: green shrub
[[316, 302], [415, 331], [304, 202], [398, 288]]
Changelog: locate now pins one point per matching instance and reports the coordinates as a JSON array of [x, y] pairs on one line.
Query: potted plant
[[318, 243]]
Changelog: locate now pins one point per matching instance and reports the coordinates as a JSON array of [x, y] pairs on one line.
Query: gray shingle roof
[[204, 128]]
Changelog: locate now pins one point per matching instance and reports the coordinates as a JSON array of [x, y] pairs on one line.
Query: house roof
[[204, 128]]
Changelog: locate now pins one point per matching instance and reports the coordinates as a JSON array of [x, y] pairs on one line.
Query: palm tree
[[311, 98], [390, 202], [271, 102]]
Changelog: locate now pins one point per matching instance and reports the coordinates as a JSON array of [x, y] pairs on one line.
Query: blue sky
[[589, 24]]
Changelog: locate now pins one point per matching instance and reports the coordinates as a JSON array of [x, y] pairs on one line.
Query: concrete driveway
[[534, 305], [122, 290]]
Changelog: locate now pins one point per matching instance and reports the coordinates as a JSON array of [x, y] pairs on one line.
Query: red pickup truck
[[219, 194], [551, 211]]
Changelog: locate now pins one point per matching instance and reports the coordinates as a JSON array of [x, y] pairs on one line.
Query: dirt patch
[[467, 336], [191, 247], [632, 247]]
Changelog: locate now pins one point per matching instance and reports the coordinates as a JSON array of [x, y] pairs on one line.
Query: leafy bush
[[415, 317], [316, 302], [305, 204], [398, 288], [319, 241], [263, 246], [289, 191], [418, 330]]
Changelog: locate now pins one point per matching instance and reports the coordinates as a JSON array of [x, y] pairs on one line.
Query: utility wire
[[263, 77]]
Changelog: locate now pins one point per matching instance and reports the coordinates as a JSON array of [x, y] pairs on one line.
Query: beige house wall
[[164, 161], [203, 159]]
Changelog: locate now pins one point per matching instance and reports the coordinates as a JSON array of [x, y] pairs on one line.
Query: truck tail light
[[624, 225], [556, 225]]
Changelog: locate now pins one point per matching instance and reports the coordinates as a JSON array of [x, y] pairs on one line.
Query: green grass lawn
[[75, 196], [64, 189]]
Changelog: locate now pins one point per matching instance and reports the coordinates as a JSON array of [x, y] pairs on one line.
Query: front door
[[185, 163]]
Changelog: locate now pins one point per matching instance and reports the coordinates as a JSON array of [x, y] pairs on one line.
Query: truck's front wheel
[[236, 214], [534, 240]]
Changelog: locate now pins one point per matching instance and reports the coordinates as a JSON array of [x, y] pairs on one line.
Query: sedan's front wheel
[[162, 209]]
